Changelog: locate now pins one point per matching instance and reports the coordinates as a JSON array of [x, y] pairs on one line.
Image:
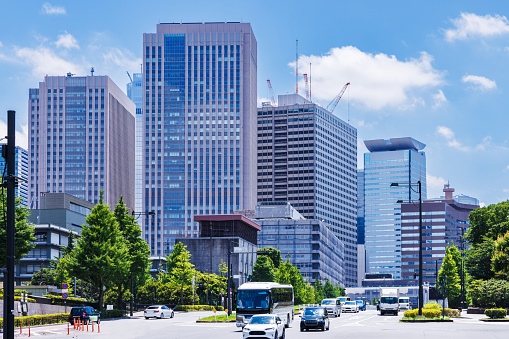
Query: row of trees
[[270, 267], [487, 260]]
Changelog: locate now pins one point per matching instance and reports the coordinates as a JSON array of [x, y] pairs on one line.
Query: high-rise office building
[[135, 93], [199, 109], [444, 221], [308, 157], [21, 160], [398, 160], [361, 248], [81, 139]]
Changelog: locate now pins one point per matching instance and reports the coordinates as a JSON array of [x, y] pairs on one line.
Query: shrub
[[108, 314], [431, 313], [496, 313], [18, 298], [432, 306], [411, 313], [39, 319], [453, 313], [187, 308], [57, 299]]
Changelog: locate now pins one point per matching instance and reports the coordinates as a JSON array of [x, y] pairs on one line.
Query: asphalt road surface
[[367, 324]]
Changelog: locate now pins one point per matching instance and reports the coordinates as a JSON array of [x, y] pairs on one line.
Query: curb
[[427, 321], [487, 320]]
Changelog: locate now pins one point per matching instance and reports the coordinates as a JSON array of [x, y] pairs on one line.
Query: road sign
[[240, 250], [64, 286], [64, 295]]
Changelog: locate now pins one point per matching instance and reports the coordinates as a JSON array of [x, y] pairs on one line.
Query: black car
[[83, 313], [316, 318]]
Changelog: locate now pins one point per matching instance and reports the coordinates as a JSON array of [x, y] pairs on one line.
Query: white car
[[333, 306], [350, 306], [158, 311], [264, 326]]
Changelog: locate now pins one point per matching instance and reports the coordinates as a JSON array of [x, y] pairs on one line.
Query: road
[[366, 324]]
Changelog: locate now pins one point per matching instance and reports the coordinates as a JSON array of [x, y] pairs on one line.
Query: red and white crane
[[271, 93], [332, 105]]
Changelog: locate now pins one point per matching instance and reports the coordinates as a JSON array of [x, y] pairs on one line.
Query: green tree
[[329, 290], [289, 274], [182, 271], [71, 242], [478, 259], [450, 271], [274, 255], [340, 291], [491, 221], [500, 260], [319, 294], [138, 252], [45, 276], [24, 231], [263, 269], [308, 295], [99, 256]]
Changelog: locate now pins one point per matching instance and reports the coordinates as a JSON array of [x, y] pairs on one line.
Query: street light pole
[[421, 297], [419, 185]]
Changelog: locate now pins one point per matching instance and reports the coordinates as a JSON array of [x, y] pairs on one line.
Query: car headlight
[[270, 329]]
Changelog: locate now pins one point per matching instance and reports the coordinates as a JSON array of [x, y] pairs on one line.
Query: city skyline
[[429, 71]]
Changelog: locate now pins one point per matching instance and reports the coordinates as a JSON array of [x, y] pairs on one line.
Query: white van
[[333, 306], [404, 303]]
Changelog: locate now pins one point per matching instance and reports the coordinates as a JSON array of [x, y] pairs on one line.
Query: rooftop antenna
[[310, 82], [92, 71], [297, 66]]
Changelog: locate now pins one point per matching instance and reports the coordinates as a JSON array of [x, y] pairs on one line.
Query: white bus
[[263, 298]]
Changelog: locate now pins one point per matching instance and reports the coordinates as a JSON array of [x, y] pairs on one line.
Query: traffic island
[[489, 320], [223, 318], [425, 320]]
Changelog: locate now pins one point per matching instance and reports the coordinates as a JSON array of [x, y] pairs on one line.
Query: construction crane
[[271, 93], [307, 85], [332, 105], [129, 75]]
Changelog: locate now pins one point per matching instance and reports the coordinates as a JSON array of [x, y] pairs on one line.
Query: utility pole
[[228, 298], [9, 153]]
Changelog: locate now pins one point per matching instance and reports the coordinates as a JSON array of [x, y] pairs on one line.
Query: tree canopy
[[263, 269], [24, 231]]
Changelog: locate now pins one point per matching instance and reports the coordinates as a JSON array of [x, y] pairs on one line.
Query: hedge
[[108, 314], [18, 298], [55, 298], [34, 320], [496, 313], [187, 308], [432, 313]]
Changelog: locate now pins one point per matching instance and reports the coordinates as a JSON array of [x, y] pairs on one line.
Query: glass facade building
[[81, 140], [135, 93], [21, 161], [308, 157], [395, 160], [199, 125]]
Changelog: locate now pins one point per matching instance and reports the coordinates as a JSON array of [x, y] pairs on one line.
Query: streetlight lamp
[[136, 215], [419, 187]]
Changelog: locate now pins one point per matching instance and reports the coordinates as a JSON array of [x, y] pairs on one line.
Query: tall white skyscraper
[[394, 160], [81, 139], [199, 122]]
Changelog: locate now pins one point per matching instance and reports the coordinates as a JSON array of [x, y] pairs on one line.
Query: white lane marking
[[357, 323]]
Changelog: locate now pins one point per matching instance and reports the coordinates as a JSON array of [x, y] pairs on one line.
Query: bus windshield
[[253, 299]]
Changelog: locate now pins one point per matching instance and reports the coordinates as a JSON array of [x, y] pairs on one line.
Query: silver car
[[350, 306]]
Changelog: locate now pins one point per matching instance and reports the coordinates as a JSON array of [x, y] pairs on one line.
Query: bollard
[[83, 326], [29, 330], [92, 326], [20, 331], [67, 328], [87, 326], [98, 328]]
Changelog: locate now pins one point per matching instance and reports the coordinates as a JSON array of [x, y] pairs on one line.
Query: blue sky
[[437, 71]]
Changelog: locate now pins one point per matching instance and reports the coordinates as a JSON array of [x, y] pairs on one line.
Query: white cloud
[[481, 83], [470, 25], [448, 134], [44, 61], [67, 41], [377, 80], [125, 59], [47, 8], [507, 168], [435, 186], [21, 137], [439, 98], [1, 44]]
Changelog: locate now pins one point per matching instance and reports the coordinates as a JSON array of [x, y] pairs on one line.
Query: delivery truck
[[389, 300]]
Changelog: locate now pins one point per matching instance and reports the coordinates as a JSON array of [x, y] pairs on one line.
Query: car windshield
[[403, 300], [350, 303], [328, 302], [262, 320], [389, 300], [248, 299], [313, 311]]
